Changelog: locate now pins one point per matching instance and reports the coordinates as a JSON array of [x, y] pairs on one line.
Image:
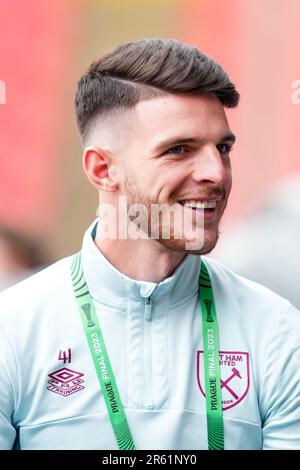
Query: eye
[[224, 149], [178, 150]]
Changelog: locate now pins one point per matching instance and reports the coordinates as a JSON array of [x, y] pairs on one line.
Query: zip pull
[[148, 308]]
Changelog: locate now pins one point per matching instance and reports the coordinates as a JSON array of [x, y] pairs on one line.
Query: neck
[[143, 260]]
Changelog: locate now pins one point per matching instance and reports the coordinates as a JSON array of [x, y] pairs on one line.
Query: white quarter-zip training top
[[49, 392]]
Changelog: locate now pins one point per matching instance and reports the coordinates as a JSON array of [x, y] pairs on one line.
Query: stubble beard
[[171, 243]]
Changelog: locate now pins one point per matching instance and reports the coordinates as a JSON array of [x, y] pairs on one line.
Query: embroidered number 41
[[63, 356]]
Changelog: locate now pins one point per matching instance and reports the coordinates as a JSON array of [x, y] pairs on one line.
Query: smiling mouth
[[201, 206]]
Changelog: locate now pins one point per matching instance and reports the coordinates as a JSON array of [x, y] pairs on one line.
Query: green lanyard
[[100, 357], [214, 414], [106, 377]]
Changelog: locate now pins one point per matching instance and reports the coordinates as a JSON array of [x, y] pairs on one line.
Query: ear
[[97, 164]]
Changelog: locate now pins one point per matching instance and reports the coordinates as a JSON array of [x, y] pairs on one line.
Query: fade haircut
[[144, 69]]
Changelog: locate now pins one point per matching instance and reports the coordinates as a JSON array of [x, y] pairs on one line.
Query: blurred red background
[[46, 46]]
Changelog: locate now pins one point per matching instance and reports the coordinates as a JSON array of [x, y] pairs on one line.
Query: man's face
[[177, 154]]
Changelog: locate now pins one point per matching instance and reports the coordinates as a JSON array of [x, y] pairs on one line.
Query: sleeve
[[7, 394], [280, 402]]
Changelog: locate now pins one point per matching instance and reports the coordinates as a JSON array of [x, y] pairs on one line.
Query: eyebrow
[[173, 142]]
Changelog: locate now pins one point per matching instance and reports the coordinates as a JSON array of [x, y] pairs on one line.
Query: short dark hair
[[144, 69]]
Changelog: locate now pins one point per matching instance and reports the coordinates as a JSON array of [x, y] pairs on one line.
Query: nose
[[210, 166]]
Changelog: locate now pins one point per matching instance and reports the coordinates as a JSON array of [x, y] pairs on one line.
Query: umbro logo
[[65, 381]]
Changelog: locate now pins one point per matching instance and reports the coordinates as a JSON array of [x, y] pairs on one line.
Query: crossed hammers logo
[[224, 383]]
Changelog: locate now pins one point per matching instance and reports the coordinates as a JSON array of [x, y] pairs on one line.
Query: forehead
[[179, 114]]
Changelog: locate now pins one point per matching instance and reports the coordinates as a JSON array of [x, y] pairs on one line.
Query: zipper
[[148, 308], [148, 305]]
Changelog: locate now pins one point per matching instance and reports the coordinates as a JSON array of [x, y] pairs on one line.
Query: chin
[[182, 245]]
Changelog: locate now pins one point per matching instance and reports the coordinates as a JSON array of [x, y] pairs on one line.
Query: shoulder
[[33, 294], [257, 297]]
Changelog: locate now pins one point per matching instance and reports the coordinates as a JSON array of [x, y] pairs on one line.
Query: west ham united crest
[[235, 377]]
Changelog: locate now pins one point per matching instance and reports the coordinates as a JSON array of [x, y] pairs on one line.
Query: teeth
[[200, 205]]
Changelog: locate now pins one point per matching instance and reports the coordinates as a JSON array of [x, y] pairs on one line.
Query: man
[[177, 361]]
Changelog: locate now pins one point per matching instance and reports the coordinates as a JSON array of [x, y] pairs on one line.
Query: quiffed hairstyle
[[143, 69]]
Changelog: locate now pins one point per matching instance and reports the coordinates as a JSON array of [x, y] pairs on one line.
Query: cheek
[[139, 171], [228, 176], [229, 181], [169, 183]]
